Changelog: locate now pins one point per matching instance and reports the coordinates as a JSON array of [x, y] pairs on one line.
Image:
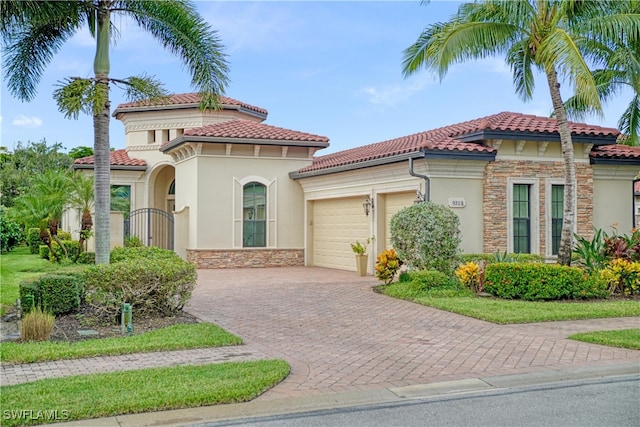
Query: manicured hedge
[[532, 281], [148, 252], [491, 258], [72, 247], [33, 240], [55, 293]]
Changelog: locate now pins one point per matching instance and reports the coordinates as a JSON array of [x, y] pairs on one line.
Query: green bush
[[29, 296], [64, 235], [33, 240], [148, 252], [55, 293], [428, 279], [87, 258], [426, 237], [61, 294], [10, 232], [72, 246], [530, 281], [484, 259], [154, 286]]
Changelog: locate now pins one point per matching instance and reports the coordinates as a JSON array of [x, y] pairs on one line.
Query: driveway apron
[[338, 335]]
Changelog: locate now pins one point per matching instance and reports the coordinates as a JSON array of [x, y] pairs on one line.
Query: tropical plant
[[620, 68], [556, 37], [387, 265], [471, 275], [426, 236], [32, 32], [623, 276], [359, 248], [43, 205], [82, 198]]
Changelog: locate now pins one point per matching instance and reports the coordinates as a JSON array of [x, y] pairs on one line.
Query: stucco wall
[[613, 197]]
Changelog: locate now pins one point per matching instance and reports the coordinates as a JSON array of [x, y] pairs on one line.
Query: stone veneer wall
[[246, 258], [495, 198]]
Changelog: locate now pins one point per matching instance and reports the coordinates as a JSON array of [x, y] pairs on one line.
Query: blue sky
[[331, 68]]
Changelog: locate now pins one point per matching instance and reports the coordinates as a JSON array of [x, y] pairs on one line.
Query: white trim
[[534, 206], [547, 214]]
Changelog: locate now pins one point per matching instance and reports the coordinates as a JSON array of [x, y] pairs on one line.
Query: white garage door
[[393, 203], [336, 224]]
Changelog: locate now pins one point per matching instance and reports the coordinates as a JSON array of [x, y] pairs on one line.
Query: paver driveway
[[338, 335]]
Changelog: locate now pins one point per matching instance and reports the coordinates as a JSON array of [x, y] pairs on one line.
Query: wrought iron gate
[[154, 227]]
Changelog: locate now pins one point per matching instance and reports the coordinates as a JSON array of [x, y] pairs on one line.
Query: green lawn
[[176, 337], [156, 389], [513, 311], [19, 265], [625, 338]]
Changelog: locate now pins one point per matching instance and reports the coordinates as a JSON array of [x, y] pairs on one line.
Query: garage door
[[393, 203], [337, 223]]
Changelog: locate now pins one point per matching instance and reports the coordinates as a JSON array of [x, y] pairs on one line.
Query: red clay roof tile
[[445, 139], [616, 151], [192, 98], [116, 158], [245, 129]]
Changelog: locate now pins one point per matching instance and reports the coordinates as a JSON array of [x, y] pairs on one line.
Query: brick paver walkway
[[338, 335]]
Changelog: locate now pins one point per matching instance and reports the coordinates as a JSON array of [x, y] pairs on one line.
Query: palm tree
[[43, 205], [620, 69], [81, 198], [553, 36], [33, 31]]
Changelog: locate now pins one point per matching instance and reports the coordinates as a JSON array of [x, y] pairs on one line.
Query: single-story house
[[238, 192]]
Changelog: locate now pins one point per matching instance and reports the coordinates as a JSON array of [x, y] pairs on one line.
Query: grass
[[625, 338], [176, 337], [512, 311], [138, 391], [19, 265]]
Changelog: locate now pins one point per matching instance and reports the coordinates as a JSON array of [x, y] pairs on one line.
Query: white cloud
[[391, 95], [27, 121]]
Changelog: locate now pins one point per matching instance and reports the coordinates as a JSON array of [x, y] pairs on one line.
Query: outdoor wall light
[[419, 197], [368, 205]]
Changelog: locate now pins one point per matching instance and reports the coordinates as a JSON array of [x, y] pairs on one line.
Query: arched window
[[254, 215], [172, 188]]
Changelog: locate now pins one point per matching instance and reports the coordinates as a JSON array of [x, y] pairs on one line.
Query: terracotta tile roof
[[116, 158], [189, 99], [616, 151], [447, 139], [245, 129], [516, 122]]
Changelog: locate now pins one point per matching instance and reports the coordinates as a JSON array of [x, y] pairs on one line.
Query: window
[[254, 215], [557, 209], [521, 218]]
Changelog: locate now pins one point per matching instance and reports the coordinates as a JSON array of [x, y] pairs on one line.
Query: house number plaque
[[456, 202]]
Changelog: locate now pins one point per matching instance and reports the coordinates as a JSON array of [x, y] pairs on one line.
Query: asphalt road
[[613, 401]]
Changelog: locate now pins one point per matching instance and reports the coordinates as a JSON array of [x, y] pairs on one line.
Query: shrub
[[72, 246], [154, 286], [64, 235], [387, 264], [132, 242], [593, 286], [33, 240], [532, 281], [428, 279], [87, 258], [36, 325], [426, 236], [29, 296], [10, 233], [148, 252], [61, 294], [472, 276], [484, 259], [55, 293], [622, 276]]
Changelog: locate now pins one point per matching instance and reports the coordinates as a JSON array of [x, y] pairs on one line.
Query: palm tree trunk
[[568, 217], [101, 138]]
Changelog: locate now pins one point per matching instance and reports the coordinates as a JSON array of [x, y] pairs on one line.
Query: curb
[[259, 408]]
